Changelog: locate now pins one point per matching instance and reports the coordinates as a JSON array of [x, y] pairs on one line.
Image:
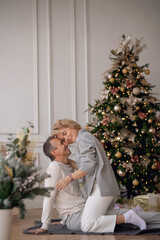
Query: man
[[69, 202]]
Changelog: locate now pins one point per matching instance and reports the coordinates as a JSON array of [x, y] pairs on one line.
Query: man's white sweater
[[67, 201]]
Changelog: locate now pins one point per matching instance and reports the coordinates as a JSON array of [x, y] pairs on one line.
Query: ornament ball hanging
[[108, 154], [111, 79], [147, 71], [143, 131], [150, 111], [124, 70], [121, 173], [137, 108], [152, 130], [117, 108], [108, 108], [150, 120], [118, 154], [154, 166], [122, 89], [135, 182], [136, 91]]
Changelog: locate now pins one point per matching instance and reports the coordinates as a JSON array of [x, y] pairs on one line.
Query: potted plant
[[20, 178]]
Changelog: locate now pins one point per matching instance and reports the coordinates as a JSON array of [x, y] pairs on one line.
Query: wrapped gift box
[[149, 202]]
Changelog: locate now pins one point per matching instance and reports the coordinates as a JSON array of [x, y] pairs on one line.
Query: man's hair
[[48, 147], [65, 123]]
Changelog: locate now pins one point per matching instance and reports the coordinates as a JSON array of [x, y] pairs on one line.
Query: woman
[[98, 177]]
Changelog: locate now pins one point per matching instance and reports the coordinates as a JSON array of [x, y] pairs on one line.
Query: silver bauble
[[136, 91], [117, 108], [121, 173]]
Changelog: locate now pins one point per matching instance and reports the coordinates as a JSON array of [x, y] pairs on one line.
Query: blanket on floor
[[121, 229]]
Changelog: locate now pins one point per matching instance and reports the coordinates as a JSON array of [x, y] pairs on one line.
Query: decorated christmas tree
[[125, 120]]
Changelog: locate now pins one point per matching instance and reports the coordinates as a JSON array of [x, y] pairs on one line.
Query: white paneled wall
[[53, 53]]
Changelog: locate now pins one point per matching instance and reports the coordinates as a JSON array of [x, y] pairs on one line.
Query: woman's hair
[[65, 123], [48, 147]]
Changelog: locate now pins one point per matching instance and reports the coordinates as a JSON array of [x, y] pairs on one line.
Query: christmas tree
[[125, 120]]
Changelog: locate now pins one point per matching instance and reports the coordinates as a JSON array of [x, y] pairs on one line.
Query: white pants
[[93, 216]]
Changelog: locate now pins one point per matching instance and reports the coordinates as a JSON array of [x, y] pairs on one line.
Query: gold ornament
[[122, 89], [135, 182], [147, 71], [154, 166], [144, 82], [146, 92], [112, 79], [150, 120], [108, 154], [150, 111], [108, 108], [152, 130], [137, 108], [121, 173], [143, 131], [134, 65], [146, 101], [118, 154], [124, 70]]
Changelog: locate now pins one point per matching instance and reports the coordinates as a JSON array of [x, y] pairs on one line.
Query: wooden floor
[[32, 215]]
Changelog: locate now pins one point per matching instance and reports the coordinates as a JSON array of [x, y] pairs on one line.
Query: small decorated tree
[[19, 175], [125, 119]]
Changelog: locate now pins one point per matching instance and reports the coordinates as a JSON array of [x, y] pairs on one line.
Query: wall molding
[[73, 60], [35, 76], [50, 61], [35, 58], [86, 61]]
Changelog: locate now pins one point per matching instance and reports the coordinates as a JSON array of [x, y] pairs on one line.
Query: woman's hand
[[61, 184]]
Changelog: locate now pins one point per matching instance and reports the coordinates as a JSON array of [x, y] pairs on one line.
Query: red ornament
[[114, 91], [135, 158], [130, 84], [158, 165], [105, 121], [141, 115]]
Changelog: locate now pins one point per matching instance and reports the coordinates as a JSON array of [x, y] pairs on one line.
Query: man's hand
[[61, 184], [38, 231]]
